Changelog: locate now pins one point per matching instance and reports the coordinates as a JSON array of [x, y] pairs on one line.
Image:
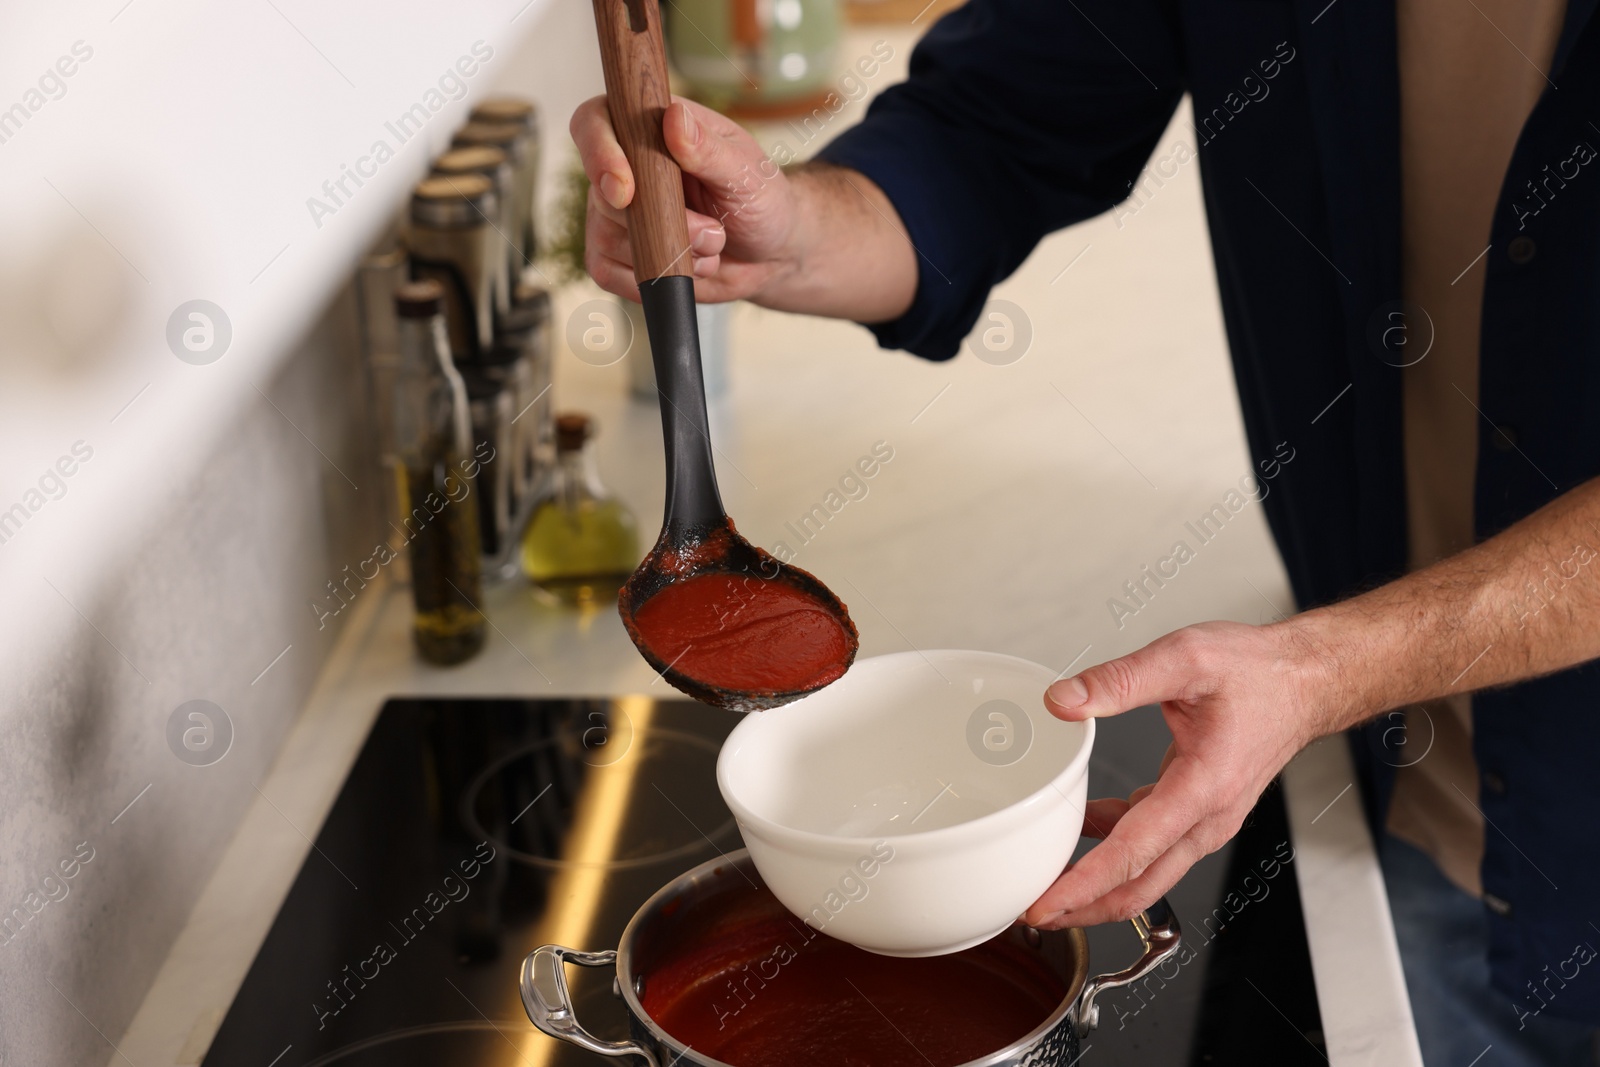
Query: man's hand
[[822, 240], [1240, 701], [742, 208]]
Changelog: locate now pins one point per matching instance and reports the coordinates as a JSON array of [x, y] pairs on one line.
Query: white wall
[[180, 561]]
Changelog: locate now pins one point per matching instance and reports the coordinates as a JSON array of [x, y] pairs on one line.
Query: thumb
[[1162, 670], [715, 149]]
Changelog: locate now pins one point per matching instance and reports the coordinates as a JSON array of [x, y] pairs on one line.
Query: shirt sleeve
[[1020, 117]]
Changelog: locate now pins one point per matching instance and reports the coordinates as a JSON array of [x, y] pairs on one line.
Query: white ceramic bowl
[[916, 806]]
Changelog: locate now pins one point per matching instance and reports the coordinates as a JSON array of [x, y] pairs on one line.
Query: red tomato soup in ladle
[[741, 632]]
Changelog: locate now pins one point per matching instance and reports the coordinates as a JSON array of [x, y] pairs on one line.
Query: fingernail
[[691, 128], [1069, 693], [611, 188], [702, 241]]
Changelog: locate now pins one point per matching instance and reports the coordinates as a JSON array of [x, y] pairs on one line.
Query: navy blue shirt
[[1024, 116]]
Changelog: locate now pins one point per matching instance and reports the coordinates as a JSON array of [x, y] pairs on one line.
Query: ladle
[[697, 537]]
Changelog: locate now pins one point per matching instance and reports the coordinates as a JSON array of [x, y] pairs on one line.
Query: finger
[[609, 238], [1145, 790], [603, 159], [611, 275], [1129, 899], [698, 221], [1141, 836], [613, 243], [706, 235], [598, 206], [1168, 668], [1167, 758], [715, 149], [1100, 817]]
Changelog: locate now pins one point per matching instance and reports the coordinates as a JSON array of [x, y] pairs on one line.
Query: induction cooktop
[[471, 831]]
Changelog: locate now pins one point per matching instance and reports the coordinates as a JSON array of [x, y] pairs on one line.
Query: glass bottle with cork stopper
[[436, 470], [380, 274], [581, 543]]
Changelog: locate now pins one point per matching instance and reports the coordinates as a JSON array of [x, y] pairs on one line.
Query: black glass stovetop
[[471, 831]]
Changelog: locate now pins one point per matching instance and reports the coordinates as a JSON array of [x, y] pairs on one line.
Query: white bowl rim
[[792, 835]]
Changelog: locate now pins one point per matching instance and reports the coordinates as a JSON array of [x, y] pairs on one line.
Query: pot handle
[[1158, 929], [549, 1004]]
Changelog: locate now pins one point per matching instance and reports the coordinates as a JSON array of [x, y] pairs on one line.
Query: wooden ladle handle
[[635, 62]]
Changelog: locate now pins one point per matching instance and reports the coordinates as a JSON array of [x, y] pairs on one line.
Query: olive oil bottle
[[437, 474], [581, 543]]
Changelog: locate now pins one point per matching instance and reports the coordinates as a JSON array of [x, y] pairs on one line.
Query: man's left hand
[[1240, 702]]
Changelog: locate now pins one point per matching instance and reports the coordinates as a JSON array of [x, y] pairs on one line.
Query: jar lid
[[498, 134], [473, 159], [419, 300], [502, 358], [508, 109], [453, 200], [573, 428], [530, 308]]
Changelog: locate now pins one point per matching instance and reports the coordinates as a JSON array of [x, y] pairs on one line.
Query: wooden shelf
[[923, 12]]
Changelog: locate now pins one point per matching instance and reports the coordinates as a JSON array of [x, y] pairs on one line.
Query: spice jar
[[451, 242], [491, 163], [489, 403], [516, 111], [522, 359], [519, 142]]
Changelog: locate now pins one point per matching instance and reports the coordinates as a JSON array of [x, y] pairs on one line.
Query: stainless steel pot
[[1054, 1043]]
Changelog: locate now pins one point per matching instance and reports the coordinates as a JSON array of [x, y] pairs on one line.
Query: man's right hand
[[742, 208], [823, 240]]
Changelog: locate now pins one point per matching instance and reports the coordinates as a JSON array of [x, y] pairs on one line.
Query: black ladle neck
[[693, 503]]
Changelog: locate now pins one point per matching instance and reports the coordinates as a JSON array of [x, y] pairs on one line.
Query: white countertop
[[1366, 1012], [1019, 499]]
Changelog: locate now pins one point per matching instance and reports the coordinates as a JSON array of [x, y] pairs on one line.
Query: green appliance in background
[[755, 58]]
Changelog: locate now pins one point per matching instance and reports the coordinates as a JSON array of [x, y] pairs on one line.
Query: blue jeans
[[1444, 950]]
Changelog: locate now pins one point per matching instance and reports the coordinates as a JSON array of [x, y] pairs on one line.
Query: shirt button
[[1505, 438], [1498, 905], [1494, 783], [1521, 250]]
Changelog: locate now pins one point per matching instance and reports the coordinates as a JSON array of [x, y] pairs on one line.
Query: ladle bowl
[[697, 537], [719, 549]]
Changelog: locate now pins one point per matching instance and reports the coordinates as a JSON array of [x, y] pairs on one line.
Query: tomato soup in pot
[[715, 972], [751, 985]]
